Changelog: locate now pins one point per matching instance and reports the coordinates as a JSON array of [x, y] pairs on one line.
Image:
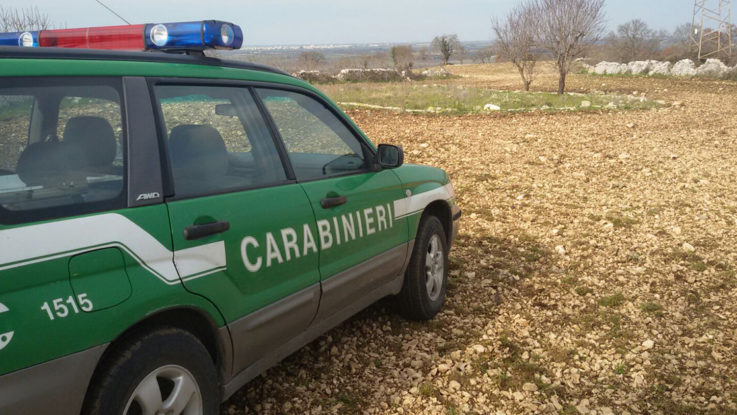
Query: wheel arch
[[441, 210], [190, 319]]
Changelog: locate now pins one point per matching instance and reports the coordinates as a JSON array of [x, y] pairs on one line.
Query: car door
[[238, 224], [363, 246]]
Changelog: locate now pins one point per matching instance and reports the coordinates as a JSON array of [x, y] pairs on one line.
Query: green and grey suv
[[171, 226]]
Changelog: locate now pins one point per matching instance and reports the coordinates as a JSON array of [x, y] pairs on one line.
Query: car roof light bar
[[183, 36], [26, 39]]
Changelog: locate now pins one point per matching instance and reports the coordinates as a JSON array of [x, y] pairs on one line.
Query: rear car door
[[363, 246], [71, 253], [238, 224]]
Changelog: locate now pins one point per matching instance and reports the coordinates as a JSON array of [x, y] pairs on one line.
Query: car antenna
[[113, 12]]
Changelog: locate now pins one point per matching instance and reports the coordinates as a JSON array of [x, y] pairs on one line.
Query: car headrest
[[50, 164], [197, 151], [94, 136]]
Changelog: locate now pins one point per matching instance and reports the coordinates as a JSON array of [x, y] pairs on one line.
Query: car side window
[[317, 141], [60, 153], [217, 140]]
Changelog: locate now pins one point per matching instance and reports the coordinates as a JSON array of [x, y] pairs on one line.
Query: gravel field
[[594, 272]]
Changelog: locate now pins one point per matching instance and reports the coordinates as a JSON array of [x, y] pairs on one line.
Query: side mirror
[[389, 156]]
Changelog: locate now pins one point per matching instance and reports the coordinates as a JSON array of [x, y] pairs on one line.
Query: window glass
[[15, 117], [318, 143], [217, 140], [61, 148], [72, 109]]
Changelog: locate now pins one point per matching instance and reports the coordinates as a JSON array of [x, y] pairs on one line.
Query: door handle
[[200, 231], [330, 202]]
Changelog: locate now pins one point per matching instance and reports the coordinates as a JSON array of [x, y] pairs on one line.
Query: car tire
[[164, 371], [423, 292]]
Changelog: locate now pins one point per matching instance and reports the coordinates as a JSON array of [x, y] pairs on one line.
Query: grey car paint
[[61, 382], [380, 276]]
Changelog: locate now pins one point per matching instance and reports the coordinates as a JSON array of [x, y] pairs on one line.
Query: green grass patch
[[583, 291], [454, 99], [621, 369], [569, 280], [652, 308], [614, 300], [691, 259], [621, 221], [427, 389]]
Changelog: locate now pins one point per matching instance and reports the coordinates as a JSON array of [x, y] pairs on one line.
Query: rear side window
[[62, 148], [217, 140]]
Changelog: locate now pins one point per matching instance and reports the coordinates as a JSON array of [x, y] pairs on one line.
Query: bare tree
[[311, 60], [422, 53], [446, 45], [20, 20], [402, 57], [461, 53], [483, 55], [566, 29], [515, 40], [634, 41]]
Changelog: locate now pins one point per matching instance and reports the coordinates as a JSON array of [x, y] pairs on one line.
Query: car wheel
[[423, 292], [167, 371]]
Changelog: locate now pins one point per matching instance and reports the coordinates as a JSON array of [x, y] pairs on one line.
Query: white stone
[[377, 74], [660, 68], [492, 107], [611, 68], [684, 68], [585, 104], [713, 68], [688, 247], [648, 344], [529, 387], [641, 67]]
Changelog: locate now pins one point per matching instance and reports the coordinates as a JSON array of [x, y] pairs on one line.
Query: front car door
[[238, 224], [363, 246]]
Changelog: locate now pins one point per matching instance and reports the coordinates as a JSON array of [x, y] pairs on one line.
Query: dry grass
[[583, 224]]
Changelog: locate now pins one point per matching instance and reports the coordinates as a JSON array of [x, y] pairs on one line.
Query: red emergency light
[[108, 37]]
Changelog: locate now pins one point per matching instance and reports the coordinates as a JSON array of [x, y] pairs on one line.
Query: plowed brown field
[[594, 272]]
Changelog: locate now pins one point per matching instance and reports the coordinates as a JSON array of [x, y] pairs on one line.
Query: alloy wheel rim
[[434, 267], [168, 390]]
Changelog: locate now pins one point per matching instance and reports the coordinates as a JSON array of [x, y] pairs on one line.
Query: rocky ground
[[594, 272]]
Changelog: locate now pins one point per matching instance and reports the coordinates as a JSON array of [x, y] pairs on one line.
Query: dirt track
[[594, 273]]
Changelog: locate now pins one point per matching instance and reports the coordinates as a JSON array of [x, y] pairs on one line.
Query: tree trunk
[[525, 82], [562, 82]]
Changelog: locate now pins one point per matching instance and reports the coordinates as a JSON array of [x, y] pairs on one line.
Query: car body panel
[[140, 253], [142, 235]]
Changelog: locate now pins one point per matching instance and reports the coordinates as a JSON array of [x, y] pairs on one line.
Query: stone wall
[[712, 68]]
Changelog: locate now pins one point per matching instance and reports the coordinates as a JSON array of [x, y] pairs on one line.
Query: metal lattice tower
[[712, 28]]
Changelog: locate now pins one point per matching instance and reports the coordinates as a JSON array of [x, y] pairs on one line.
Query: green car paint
[[77, 282], [45, 313], [236, 290]]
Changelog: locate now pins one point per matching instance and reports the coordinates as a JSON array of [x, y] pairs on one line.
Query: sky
[[294, 22]]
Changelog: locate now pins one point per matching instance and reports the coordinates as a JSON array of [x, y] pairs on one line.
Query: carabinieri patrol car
[[172, 225]]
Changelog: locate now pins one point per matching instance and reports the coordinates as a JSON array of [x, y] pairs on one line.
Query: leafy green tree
[[447, 46]]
